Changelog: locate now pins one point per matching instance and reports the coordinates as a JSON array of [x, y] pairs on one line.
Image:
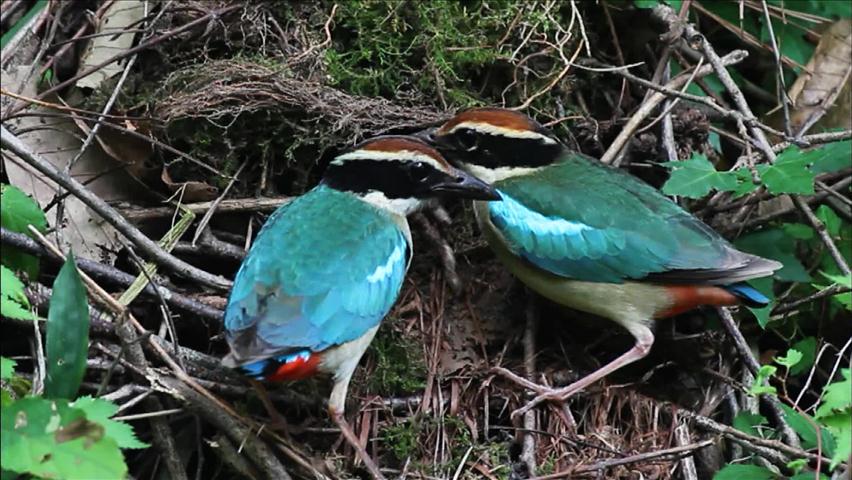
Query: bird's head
[[494, 143], [399, 173]]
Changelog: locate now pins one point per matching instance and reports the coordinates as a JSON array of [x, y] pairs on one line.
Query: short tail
[[747, 294]]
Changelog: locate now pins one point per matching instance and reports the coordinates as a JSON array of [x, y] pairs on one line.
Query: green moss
[[403, 438], [399, 364], [432, 48]]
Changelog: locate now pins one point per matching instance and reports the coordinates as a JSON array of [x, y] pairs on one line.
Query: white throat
[[492, 175], [399, 206]]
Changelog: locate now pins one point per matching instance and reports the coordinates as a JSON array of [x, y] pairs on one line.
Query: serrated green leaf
[[99, 411], [808, 476], [745, 183], [831, 157], [798, 231], [13, 301], [840, 426], [797, 465], [791, 359], [807, 346], [789, 174], [744, 472], [803, 424], [844, 299], [675, 4], [49, 439], [67, 333], [765, 286], [17, 210], [837, 396], [761, 380], [748, 422], [790, 39], [835, 412], [696, 177], [7, 368]]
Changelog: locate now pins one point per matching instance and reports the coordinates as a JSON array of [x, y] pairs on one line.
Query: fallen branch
[[112, 275], [143, 243]]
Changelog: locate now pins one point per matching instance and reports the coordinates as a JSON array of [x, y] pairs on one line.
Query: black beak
[[464, 185]]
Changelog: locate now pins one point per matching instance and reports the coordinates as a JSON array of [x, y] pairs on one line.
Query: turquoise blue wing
[[324, 269], [582, 220]]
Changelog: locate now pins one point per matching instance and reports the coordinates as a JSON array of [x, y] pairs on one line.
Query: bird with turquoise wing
[[327, 267], [591, 237]]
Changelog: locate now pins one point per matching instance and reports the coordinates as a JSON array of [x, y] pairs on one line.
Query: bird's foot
[[543, 392], [552, 394], [350, 437]]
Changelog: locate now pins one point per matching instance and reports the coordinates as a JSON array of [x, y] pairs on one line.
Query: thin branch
[[143, 243], [112, 275]]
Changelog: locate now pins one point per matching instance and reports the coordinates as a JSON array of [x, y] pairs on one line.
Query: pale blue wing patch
[[565, 247]]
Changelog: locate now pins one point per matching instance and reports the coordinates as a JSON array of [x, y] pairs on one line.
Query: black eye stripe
[[396, 179]]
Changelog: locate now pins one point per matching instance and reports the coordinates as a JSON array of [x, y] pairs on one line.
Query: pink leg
[[350, 437], [644, 340]]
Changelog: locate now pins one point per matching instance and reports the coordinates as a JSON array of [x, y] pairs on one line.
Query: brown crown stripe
[[498, 117], [396, 144]]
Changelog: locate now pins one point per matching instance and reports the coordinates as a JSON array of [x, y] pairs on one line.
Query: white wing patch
[[383, 271]]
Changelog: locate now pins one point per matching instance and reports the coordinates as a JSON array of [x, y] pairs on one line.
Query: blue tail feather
[[748, 294]]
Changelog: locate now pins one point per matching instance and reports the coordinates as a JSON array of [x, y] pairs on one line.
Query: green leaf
[[830, 157], [790, 39], [840, 232], [803, 424], [715, 141], [744, 472], [840, 426], [763, 285], [844, 299], [49, 439], [696, 177], [837, 396], [675, 4], [745, 183], [797, 465], [13, 300], [100, 411], [760, 385], [774, 243], [7, 368], [748, 422], [789, 173], [835, 412], [807, 346], [67, 333], [17, 210], [807, 475], [798, 231], [791, 359]]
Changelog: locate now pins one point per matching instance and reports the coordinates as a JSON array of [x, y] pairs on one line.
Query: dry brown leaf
[[190, 191], [122, 15], [823, 90], [58, 141]]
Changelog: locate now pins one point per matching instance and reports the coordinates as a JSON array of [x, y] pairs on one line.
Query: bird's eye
[[419, 171], [467, 139]]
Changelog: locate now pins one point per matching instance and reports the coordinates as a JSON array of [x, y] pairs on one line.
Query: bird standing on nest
[[591, 237], [327, 267]]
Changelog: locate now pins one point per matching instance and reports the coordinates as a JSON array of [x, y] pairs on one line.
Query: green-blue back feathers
[[324, 269], [585, 221]]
